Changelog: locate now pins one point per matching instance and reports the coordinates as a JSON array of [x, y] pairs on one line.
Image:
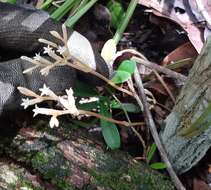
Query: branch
[[150, 123]]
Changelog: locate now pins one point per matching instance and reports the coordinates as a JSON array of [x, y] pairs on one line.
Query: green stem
[[46, 4], [125, 20], [72, 20], [62, 10], [11, 1], [79, 7]]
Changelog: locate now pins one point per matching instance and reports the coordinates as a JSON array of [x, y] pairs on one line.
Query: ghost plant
[[60, 55]]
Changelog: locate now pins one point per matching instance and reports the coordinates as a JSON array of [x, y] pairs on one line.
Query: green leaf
[[84, 90], [129, 107], [120, 77], [158, 165], [117, 13], [128, 66], [151, 152], [109, 130]]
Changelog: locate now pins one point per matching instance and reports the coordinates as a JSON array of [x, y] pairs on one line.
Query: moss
[[29, 185], [63, 185], [132, 178], [51, 163]]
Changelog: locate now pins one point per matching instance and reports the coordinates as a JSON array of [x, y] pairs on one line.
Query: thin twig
[[131, 86], [133, 129], [91, 71], [125, 123], [164, 85], [150, 123], [160, 69]]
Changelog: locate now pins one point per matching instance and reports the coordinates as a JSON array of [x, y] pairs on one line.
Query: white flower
[[69, 103], [25, 103], [44, 90], [54, 122], [47, 50], [44, 111], [62, 50], [37, 57], [28, 102]]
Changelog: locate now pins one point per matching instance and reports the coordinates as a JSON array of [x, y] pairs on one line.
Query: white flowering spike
[[54, 122], [29, 70], [69, 103], [44, 111]]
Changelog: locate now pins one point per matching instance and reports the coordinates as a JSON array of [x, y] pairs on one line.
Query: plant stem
[[11, 1], [150, 123], [78, 7], [104, 79], [46, 4], [62, 10], [72, 20], [125, 20]]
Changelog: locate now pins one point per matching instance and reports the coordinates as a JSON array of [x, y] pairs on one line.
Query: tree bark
[[65, 159], [183, 152]]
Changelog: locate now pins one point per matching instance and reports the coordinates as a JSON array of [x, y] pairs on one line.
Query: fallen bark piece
[[183, 152], [78, 162]]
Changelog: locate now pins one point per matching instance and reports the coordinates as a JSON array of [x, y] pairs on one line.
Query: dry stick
[[91, 71], [164, 85], [150, 123], [160, 69], [125, 123], [131, 87], [133, 129]]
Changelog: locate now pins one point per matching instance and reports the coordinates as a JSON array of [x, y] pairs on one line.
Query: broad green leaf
[[120, 77], [84, 90], [158, 165], [109, 130], [151, 152], [129, 107], [128, 66], [117, 13]]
